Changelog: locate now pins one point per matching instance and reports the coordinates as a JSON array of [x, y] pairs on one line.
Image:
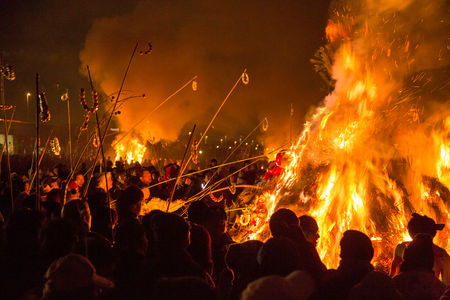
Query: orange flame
[[130, 151]]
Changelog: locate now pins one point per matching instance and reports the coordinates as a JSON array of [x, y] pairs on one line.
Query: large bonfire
[[378, 149]]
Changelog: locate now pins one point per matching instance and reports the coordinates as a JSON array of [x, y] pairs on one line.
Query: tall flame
[[369, 157]]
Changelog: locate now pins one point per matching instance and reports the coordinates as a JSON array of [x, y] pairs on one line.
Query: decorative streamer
[[8, 72], [88, 109], [45, 112], [194, 152]]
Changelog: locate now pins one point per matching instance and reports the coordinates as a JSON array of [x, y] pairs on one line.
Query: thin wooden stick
[[38, 111], [214, 117], [181, 165], [153, 110], [103, 157], [8, 163], [111, 115], [234, 150]]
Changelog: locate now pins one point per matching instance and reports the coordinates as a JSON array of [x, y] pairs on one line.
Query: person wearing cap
[[73, 277], [424, 225], [416, 279]]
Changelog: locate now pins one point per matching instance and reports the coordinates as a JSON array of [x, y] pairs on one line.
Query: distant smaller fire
[[130, 151]]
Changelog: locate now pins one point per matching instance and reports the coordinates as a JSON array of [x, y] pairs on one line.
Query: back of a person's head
[[273, 287], [131, 238], [375, 286], [215, 220], [98, 199], [128, 198], [170, 232], [23, 230], [184, 288], [281, 221], [355, 245], [418, 256], [77, 212], [73, 277], [197, 212], [200, 246], [423, 224], [241, 258], [278, 256], [307, 223]]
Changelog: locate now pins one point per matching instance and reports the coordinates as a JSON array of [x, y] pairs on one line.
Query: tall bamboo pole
[[181, 167], [70, 134], [38, 111], [111, 115], [8, 163]]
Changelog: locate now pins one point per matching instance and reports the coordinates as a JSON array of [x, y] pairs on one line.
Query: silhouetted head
[[216, 221], [356, 245], [77, 213], [423, 224], [197, 212], [282, 221], [131, 238], [241, 258], [418, 256], [129, 202], [170, 233], [310, 229]]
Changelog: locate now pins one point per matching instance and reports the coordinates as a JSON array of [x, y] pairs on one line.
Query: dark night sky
[[273, 39]]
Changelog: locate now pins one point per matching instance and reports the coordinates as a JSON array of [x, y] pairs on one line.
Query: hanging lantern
[[96, 141], [265, 124], [65, 96], [56, 148], [244, 77], [194, 85]]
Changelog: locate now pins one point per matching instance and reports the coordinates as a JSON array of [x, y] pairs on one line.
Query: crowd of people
[[89, 239]]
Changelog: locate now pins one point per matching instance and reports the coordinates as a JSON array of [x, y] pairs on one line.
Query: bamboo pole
[[181, 165], [214, 117], [111, 115], [153, 110], [8, 163], [38, 110]]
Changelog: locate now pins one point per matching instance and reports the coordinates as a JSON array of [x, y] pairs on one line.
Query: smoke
[[215, 41]]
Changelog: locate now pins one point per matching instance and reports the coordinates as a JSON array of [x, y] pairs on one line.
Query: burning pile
[[375, 151], [130, 150]]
